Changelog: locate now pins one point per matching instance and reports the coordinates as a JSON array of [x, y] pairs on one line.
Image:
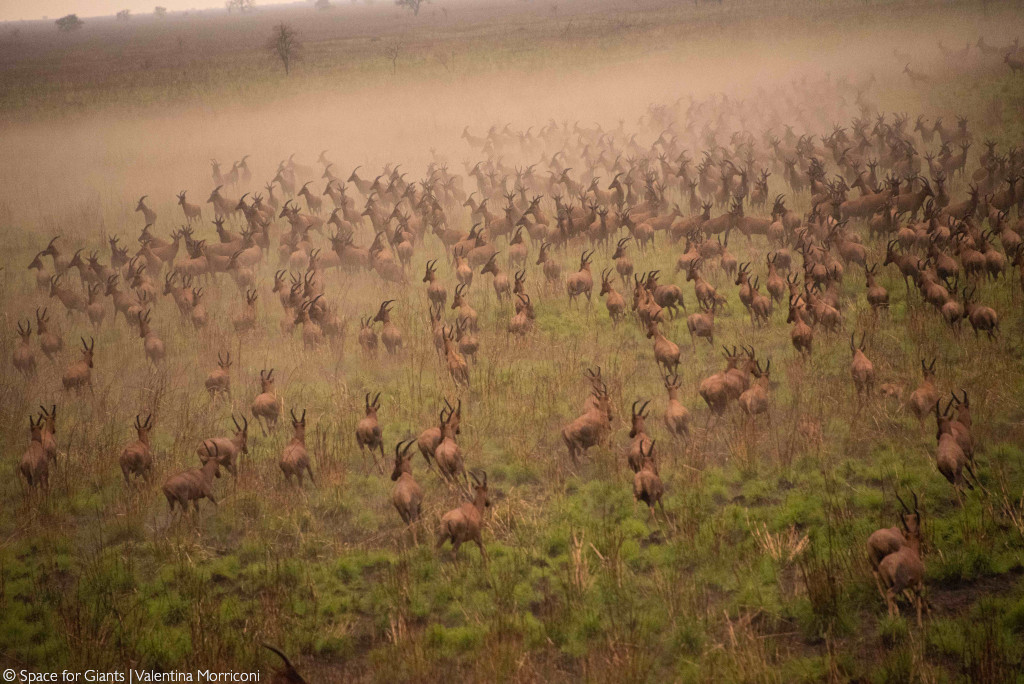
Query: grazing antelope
[[647, 484], [615, 303], [590, 428], [229, 448], [294, 459], [194, 484], [924, 397], [638, 433], [153, 345], [24, 358], [902, 572], [465, 523], [581, 282], [367, 337], [407, 496], [266, 407], [137, 458], [390, 335], [219, 381], [34, 465], [79, 374], [861, 368], [369, 435]]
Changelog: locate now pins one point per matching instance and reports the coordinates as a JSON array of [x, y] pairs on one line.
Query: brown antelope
[[50, 343], [623, 264], [469, 343], [228, 448], [924, 397], [502, 287], [24, 358], [194, 484], [245, 321], [590, 428], [801, 335], [79, 374], [448, 454], [615, 303], [715, 389], [677, 417], [760, 306], [219, 381], [50, 432], [147, 214], [552, 269], [137, 458], [198, 315], [431, 437], [266, 407], [467, 314], [666, 352], [861, 368], [754, 400], [193, 212], [367, 337], [902, 572], [294, 459], [581, 282], [465, 523], [981, 318], [369, 435], [312, 335], [775, 284], [34, 465], [390, 335], [407, 496], [647, 484], [95, 310], [705, 292], [463, 271], [878, 296], [702, 325], [638, 433], [960, 427], [949, 455], [153, 345], [522, 321], [287, 674], [436, 291], [456, 362], [42, 274], [887, 540], [517, 251]]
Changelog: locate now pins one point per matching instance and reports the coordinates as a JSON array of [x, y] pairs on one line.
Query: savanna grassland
[[756, 570]]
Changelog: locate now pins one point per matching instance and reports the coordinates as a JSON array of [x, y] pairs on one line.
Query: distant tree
[[160, 11], [284, 42], [240, 5], [69, 23], [413, 5], [124, 15], [323, 4], [392, 52]]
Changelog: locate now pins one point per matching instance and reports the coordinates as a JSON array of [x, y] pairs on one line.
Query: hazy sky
[[37, 9]]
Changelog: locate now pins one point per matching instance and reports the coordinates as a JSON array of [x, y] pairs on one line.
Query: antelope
[[961, 427], [463, 271], [147, 214], [34, 466], [153, 345], [24, 358], [517, 251], [50, 431], [294, 459], [924, 397], [702, 325], [313, 202], [502, 288], [469, 343], [219, 381], [194, 484], [467, 314], [949, 455], [456, 362], [861, 368], [266, 406], [42, 275], [552, 269], [666, 352], [95, 310], [407, 496], [590, 428], [197, 315], [448, 454], [615, 303], [754, 400], [193, 212], [368, 337], [79, 374], [436, 291], [704, 291], [465, 523], [623, 264], [228, 448], [888, 540], [431, 437], [902, 572], [878, 296], [368, 432], [677, 417], [137, 458], [390, 335], [647, 484], [638, 433], [801, 335], [981, 318], [774, 283], [715, 389], [580, 282], [71, 299], [245, 321]]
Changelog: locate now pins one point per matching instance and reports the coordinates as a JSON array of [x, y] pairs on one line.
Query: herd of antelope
[[744, 193]]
